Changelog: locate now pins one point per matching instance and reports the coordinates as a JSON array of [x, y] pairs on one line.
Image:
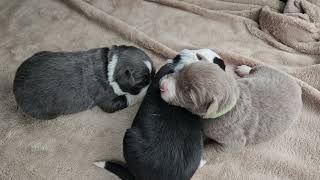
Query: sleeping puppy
[[236, 113], [164, 142], [50, 84]]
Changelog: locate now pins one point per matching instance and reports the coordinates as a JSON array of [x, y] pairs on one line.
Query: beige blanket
[[285, 36]]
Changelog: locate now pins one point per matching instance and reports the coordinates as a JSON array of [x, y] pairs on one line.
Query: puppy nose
[[163, 88]]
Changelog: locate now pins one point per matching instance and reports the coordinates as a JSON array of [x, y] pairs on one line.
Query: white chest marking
[[111, 68], [148, 64]]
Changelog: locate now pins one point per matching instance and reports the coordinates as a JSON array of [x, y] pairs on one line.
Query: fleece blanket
[[284, 35]]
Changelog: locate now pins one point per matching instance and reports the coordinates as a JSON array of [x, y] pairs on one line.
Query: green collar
[[224, 111]]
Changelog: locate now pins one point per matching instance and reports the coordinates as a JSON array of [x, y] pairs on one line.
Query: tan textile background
[[285, 36]]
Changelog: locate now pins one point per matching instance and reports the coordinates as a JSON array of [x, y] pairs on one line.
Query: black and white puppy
[[164, 142], [50, 84]]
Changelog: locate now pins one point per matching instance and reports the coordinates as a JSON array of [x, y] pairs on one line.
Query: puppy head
[[129, 69], [198, 87], [186, 57]]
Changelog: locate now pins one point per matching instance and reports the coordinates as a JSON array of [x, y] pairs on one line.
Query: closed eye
[[146, 81], [199, 57]]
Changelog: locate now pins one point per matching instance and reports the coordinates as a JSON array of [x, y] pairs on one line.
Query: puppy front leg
[[112, 105]]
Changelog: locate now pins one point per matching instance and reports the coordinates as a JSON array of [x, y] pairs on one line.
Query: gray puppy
[[50, 84], [250, 110]]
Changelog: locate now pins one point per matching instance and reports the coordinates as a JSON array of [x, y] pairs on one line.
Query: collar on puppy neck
[[223, 112], [227, 109]]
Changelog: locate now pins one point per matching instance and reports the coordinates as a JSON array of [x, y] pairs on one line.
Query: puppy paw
[[243, 70], [202, 163]]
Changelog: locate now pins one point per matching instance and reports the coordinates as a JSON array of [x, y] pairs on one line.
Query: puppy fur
[[267, 102], [187, 56], [50, 84], [164, 142], [196, 87]]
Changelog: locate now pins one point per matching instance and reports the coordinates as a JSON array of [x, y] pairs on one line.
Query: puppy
[[251, 110], [164, 142], [50, 84]]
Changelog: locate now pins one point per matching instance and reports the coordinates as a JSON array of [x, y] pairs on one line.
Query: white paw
[[100, 164], [243, 70], [202, 163]]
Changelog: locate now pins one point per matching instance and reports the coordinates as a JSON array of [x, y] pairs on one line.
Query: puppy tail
[[121, 171]]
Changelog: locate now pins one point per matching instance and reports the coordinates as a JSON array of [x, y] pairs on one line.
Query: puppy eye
[[145, 80], [127, 72], [199, 57]]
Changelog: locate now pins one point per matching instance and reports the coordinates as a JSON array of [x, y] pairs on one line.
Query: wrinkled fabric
[[284, 36]]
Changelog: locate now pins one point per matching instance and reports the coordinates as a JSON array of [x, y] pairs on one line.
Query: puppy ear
[[213, 108], [220, 63], [194, 98], [128, 73], [197, 98]]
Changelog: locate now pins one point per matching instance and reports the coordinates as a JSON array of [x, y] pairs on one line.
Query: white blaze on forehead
[[186, 57], [111, 68], [148, 64], [207, 53], [190, 56]]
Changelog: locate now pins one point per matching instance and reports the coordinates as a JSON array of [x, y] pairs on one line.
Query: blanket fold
[[297, 27], [131, 33], [284, 36]]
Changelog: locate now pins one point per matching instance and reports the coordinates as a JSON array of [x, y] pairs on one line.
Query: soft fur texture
[[267, 102], [164, 142], [197, 88], [66, 147], [188, 56], [184, 58], [50, 84]]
